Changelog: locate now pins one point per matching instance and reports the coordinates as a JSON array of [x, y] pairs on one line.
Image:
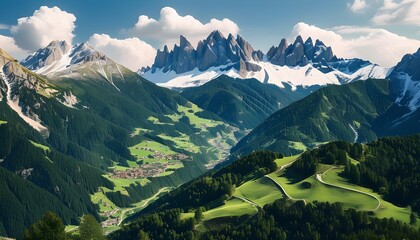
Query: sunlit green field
[[261, 191], [323, 193], [232, 208], [386, 210]]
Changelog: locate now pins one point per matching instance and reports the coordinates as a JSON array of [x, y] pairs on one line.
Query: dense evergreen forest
[[389, 166], [329, 114]]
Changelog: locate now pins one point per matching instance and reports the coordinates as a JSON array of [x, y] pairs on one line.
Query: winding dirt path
[[283, 190], [319, 178], [247, 201]]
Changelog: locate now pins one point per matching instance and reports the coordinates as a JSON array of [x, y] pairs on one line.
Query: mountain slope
[[78, 129], [244, 103], [35, 176], [332, 113], [404, 116]]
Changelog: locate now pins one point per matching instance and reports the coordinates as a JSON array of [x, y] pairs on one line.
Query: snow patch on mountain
[[411, 91], [300, 64], [32, 119], [193, 78], [55, 58], [56, 66], [298, 76]]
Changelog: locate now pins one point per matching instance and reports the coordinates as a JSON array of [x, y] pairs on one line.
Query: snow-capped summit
[[47, 56], [300, 64], [405, 80], [59, 55]]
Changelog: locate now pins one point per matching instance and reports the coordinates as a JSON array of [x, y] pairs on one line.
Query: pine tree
[[413, 218], [90, 229], [198, 215], [49, 227], [143, 235]]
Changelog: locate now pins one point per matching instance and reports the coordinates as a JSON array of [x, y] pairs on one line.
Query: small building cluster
[[144, 171]]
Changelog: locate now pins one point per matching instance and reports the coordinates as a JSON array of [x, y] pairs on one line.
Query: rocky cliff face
[[405, 81], [300, 53], [59, 55], [215, 50], [46, 56]]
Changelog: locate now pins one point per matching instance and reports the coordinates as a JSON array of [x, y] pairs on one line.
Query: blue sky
[[263, 23]]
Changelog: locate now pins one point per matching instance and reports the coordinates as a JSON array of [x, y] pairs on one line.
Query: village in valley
[[153, 160]]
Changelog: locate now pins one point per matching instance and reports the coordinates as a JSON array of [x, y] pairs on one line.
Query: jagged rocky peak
[[405, 81], [300, 53], [181, 59], [59, 55], [83, 53], [322, 52], [46, 56], [215, 50], [277, 55], [184, 56], [161, 58], [410, 65]]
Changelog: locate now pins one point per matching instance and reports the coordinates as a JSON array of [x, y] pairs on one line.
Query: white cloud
[[130, 52], [358, 5], [171, 25], [9, 45], [4, 26], [398, 12], [376, 45], [45, 25]]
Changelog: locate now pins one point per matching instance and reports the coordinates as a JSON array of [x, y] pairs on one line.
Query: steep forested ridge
[[333, 113], [243, 102]]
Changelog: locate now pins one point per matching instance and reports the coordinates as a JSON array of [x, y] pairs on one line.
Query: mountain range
[[362, 111], [302, 63]]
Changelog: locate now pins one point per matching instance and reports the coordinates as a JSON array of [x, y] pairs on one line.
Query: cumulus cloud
[[398, 12], [358, 5], [374, 44], [8, 44], [45, 25], [130, 52], [171, 25]]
